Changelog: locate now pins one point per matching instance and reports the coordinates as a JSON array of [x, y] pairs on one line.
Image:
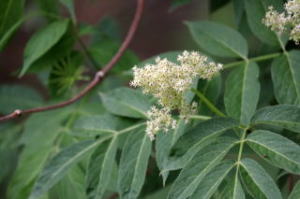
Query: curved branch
[[99, 76]]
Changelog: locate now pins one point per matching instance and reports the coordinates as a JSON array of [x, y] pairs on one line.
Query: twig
[[254, 59], [199, 117], [99, 76]]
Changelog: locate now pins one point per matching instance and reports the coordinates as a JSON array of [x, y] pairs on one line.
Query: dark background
[[160, 30]]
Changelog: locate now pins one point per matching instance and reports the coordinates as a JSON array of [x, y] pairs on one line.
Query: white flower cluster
[[275, 20], [168, 82], [295, 34], [288, 20], [159, 119]]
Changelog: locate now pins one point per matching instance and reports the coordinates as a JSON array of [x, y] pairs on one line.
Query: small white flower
[[159, 120]]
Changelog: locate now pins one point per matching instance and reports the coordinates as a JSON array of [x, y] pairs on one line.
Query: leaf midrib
[[253, 179], [250, 174], [202, 173], [125, 104], [292, 74], [274, 122], [216, 184], [243, 87], [136, 109], [67, 163], [99, 192], [196, 145], [137, 161], [236, 178], [278, 153], [224, 45], [99, 130]]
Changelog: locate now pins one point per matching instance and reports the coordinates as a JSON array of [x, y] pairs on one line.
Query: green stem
[[280, 42], [208, 103], [199, 117], [254, 59], [242, 142]]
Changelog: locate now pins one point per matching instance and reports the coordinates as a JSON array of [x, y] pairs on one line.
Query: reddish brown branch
[[99, 76]]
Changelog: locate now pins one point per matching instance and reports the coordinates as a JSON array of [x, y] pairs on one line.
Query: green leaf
[[218, 40], [160, 194], [60, 164], [9, 33], [234, 189], [61, 55], [18, 97], [178, 3], [108, 29], [94, 170], [163, 145], [296, 192], [11, 12], [285, 116], [64, 73], [103, 52], [42, 41], [50, 7], [195, 171], [98, 124], [71, 186], [222, 12], [9, 136], [126, 102], [217, 5], [286, 78], [200, 136], [171, 56], [262, 182], [38, 141], [256, 10], [276, 149], [239, 8], [133, 164], [242, 92], [70, 6], [106, 168], [212, 181], [10, 133], [211, 89]]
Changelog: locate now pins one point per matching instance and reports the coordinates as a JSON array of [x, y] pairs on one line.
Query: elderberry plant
[[220, 120]]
